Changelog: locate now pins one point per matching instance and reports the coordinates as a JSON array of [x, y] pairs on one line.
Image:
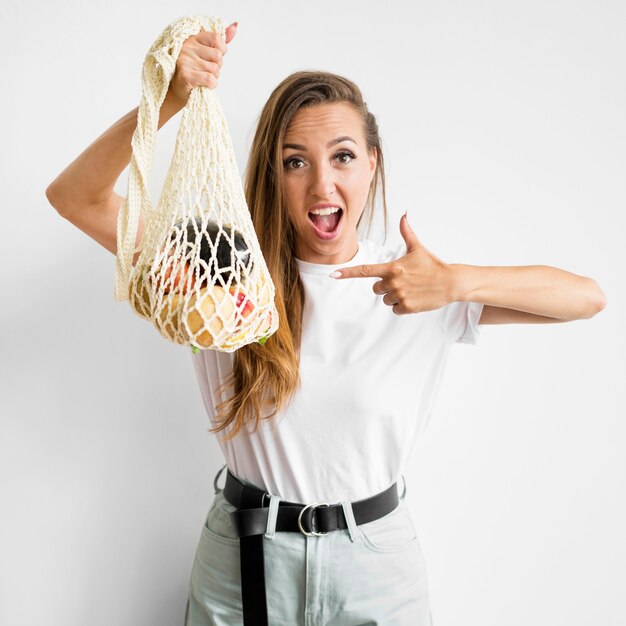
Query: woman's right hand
[[199, 63]]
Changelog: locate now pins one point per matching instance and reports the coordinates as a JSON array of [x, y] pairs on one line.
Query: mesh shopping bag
[[200, 277]]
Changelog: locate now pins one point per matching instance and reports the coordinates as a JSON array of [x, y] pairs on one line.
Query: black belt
[[250, 521]]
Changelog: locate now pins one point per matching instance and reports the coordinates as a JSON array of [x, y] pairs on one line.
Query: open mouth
[[326, 224]]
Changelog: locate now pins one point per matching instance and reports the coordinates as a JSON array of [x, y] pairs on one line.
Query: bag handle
[[158, 69]]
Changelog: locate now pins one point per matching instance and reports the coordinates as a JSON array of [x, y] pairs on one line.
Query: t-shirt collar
[[323, 268]]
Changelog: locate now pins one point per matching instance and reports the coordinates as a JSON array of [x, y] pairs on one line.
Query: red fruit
[[183, 273], [243, 302]]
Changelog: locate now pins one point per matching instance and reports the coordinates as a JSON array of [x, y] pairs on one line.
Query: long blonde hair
[[267, 375]]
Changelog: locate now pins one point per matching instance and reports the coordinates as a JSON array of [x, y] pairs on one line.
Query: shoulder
[[458, 320]]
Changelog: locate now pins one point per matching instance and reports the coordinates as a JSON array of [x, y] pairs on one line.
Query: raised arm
[[83, 192]]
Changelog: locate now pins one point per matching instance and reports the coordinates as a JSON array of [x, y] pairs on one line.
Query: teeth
[[328, 211]]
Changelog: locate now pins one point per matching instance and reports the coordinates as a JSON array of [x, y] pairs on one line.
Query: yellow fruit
[[264, 298], [139, 296], [267, 323], [261, 329], [263, 291], [231, 341], [172, 327], [215, 305]]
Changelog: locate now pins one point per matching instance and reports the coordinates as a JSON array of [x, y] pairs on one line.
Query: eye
[[346, 153], [289, 161]]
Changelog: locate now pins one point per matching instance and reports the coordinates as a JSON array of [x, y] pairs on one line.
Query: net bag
[[200, 276]]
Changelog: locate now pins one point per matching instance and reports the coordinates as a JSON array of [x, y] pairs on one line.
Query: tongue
[[326, 223]]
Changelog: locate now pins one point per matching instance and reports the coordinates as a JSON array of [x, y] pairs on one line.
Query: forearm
[[91, 177], [539, 289]]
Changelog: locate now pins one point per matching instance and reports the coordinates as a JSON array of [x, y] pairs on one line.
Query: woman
[[321, 419]]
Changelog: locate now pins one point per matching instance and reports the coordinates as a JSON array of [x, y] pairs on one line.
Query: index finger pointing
[[371, 270]]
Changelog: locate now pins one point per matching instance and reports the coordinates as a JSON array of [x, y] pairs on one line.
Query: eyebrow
[[297, 146]]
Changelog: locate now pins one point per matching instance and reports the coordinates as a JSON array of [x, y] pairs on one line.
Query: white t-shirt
[[369, 383]]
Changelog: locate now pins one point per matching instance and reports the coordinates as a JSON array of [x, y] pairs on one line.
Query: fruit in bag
[[201, 262], [207, 311], [140, 296], [227, 249], [170, 317], [182, 273]]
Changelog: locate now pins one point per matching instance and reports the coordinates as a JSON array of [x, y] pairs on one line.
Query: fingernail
[[405, 215], [235, 24], [335, 274]]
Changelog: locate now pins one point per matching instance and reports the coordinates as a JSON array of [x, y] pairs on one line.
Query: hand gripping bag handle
[[203, 118]]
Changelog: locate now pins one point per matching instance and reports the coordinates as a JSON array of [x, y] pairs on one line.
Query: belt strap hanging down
[[251, 522]]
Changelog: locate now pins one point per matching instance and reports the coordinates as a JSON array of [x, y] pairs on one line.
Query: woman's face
[[318, 169]]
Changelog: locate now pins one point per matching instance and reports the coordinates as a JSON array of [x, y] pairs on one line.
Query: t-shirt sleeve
[[459, 321]]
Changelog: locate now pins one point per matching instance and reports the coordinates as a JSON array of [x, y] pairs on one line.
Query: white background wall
[[503, 131]]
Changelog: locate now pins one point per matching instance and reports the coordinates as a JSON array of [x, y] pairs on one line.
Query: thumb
[[410, 238], [230, 32]]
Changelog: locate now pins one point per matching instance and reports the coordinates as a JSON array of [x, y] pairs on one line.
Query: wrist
[[460, 282], [171, 105]]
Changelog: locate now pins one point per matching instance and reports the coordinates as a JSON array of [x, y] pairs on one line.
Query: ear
[[373, 157]]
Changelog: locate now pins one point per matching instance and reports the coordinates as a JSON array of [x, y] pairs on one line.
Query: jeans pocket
[[215, 585], [218, 525], [393, 532]]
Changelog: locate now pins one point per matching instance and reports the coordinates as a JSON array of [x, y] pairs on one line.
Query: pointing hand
[[416, 282]]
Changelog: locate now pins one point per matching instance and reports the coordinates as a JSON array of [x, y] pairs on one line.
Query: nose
[[322, 181]]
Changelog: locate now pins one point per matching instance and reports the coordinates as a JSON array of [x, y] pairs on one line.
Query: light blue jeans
[[372, 574]]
